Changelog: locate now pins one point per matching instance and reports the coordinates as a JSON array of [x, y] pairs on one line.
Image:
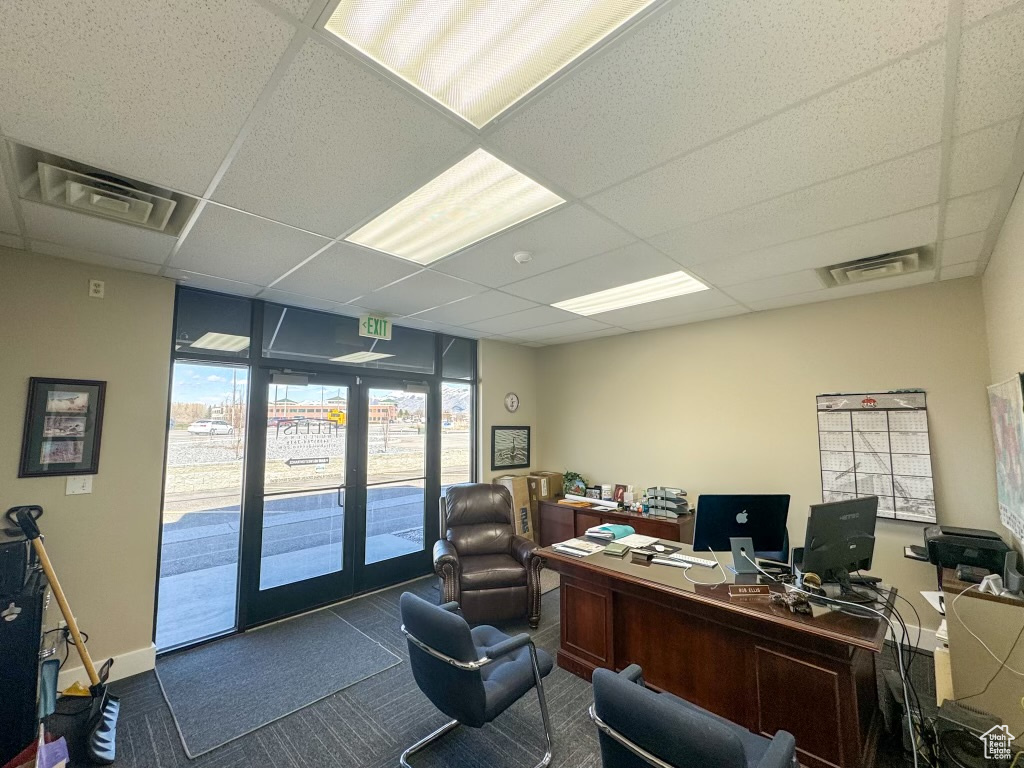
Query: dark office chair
[[487, 569], [472, 675], [639, 728]]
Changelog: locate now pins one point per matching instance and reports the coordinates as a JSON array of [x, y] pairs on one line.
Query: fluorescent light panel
[[631, 294], [360, 357], [478, 58], [222, 342], [473, 199]]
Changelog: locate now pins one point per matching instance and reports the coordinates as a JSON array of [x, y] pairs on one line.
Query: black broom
[[101, 731]]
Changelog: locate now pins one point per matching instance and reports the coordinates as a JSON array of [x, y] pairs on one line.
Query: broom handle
[[65, 609]]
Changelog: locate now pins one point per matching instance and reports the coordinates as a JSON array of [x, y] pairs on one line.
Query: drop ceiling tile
[[895, 233], [588, 336], [297, 8], [690, 317], [564, 236], [228, 243], [520, 321], [883, 190], [423, 290], [567, 328], [211, 283], [345, 272], [91, 233], [699, 70], [971, 213], [90, 257], [990, 77], [956, 271], [633, 262], [483, 306], [336, 145], [975, 10], [11, 241], [666, 309], [158, 91], [309, 302], [8, 221], [878, 117], [962, 249], [845, 291], [981, 158], [784, 285]]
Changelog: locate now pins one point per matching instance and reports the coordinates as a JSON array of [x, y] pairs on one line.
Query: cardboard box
[[545, 486], [522, 517]]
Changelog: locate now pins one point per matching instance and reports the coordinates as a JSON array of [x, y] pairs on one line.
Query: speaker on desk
[[21, 629]]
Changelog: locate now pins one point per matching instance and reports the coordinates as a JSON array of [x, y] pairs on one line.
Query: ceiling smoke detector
[[878, 267], [522, 257]]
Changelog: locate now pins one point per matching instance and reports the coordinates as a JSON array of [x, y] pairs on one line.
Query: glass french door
[[342, 503]]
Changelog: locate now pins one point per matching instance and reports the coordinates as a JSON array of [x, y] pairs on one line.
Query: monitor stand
[[743, 554]]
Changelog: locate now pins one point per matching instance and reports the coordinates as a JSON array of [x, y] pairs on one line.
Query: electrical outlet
[[78, 484], [96, 289]]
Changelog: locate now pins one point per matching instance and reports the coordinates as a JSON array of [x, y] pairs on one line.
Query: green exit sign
[[375, 327]]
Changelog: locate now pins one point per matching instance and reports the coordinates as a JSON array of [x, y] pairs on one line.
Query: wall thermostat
[[511, 402]]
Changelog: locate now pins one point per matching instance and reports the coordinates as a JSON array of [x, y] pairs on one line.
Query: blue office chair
[[472, 675], [639, 728]]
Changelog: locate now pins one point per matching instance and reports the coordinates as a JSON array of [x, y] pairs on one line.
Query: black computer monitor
[[840, 538], [760, 517]]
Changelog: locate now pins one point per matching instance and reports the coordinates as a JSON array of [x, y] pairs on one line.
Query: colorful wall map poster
[[1007, 407], [876, 444]]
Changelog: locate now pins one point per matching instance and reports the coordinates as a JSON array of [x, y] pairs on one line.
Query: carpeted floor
[[371, 722]]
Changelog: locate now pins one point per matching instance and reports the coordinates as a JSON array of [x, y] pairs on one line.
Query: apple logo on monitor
[[741, 518]]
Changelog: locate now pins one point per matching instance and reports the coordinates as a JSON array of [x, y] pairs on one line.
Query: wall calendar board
[[1005, 404], [876, 444]]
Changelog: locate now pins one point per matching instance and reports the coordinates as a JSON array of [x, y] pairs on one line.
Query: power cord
[[1002, 662], [686, 573]]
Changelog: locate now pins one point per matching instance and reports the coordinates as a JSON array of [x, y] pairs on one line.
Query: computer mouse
[[658, 547]]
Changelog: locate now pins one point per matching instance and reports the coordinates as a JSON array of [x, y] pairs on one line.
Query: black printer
[[949, 547]]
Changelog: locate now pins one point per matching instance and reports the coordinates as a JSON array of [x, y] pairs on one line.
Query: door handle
[[341, 489]]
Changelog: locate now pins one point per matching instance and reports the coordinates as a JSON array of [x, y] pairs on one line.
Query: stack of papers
[[577, 547], [637, 540], [610, 531]]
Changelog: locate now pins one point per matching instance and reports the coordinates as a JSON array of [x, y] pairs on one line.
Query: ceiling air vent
[[53, 180], [877, 267]]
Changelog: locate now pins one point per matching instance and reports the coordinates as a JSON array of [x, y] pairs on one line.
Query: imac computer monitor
[[761, 518], [840, 538]]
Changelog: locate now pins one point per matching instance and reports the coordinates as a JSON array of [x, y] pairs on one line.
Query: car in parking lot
[[210, 427]]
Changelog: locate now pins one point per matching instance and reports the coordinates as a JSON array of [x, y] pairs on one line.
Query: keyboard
[[690, 560], [674, 562]]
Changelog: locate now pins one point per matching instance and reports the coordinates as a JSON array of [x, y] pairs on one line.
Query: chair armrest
[[781, 752], [445, 552], [513, 643], [451, 607], [634, 674], [523, 549]]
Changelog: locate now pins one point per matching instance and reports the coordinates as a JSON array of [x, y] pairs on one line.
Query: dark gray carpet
[[226, 689], [371, 722]]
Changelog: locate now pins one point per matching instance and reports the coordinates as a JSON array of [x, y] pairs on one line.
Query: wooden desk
[[558, 522], [745, 659]]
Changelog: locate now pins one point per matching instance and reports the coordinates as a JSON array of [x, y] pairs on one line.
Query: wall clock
[[511, 402]]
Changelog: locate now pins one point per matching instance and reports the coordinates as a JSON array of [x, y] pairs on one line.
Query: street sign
[[337, 416], [306, 462], [375, 327]]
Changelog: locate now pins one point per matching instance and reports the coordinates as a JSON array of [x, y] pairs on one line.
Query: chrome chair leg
[[426, 740], [546, 760]]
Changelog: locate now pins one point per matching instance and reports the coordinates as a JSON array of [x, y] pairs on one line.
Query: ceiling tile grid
[[846, 291], [423, 290], [482, 306], [132, 86], [211, 283], [231, 244], [667, 309], [884, 115], [11, 241], [971, 213], [690, 317], [506, 325], [567, 328], [611, 331], [698, 71], [804, 281], [345, 272], [990, 76], [337, 144], [959, 250], [976, 10], [8, 219], [980, 158], [956, 271]]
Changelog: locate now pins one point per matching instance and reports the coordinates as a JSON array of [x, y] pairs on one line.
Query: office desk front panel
[[745, 659]]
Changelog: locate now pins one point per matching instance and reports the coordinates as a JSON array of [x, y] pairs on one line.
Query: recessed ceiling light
[[222, 342], [360, 357], [478, 58], [631, 294], [473, 199]]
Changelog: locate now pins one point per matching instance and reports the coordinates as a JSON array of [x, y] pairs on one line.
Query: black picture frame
[[510, 447], [63, 425]]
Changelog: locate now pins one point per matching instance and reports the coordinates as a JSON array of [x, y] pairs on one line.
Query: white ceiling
[[749, 143]]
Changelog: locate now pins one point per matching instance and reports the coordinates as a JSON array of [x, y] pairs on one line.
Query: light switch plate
[[78, 484]]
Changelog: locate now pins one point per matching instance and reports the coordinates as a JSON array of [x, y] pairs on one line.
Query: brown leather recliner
[[493, 574]]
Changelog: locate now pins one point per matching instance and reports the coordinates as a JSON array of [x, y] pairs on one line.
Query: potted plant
[[574, 483]]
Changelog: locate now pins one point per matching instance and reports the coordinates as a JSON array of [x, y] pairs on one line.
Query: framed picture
[[510, 447], [63, 421]]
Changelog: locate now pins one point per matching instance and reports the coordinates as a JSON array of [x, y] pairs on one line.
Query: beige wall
[[507, 368], [728, 405], [1003, 286], [103, 545]]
